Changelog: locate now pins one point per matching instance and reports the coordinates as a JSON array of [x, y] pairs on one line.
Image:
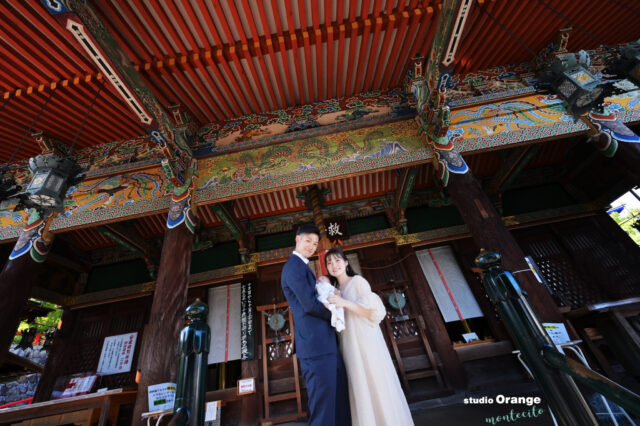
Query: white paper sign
[[117, 354], [211, 411], [78, 386], [246, 386], [557, 331], [470, 337], [162, 396]]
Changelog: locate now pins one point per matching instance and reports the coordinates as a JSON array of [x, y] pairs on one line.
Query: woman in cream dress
[[375, 394]]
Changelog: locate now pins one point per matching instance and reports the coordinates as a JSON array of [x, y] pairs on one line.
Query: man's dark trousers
[[317, 348]]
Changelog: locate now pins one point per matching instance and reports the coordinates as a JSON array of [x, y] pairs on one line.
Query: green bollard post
[[195, 339], [562, 394]]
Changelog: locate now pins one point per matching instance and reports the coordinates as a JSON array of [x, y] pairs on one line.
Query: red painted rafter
[[295, 50], [256, 44], [219, 102], [341, 35], [165, 26], [311, 90], [264, 105], [136, 15], [208, 58], [222, 59], [374, 46], [233, 54], [272, 57], [317, 41], [189, 75], [210, 65], [414, 33], [353, 42], [396, 50], [184, 96], [327, 75], [283, 53], [364, 47], [126, 38], [496, 33], [382, 61], [24, 28]]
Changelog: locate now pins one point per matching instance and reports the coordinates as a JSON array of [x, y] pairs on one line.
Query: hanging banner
[[247, 323], [225, 323], [448, 285], [117, 354]]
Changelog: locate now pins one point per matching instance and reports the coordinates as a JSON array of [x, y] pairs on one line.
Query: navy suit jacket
[[314, 335]]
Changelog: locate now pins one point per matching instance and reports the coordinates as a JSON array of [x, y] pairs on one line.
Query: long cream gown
[[375, 394]]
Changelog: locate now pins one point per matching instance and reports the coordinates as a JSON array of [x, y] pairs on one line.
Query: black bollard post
[[562, 394], [195, 340]]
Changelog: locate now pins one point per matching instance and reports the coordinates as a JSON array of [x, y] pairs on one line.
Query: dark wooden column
[[489, 232], [250, 404], [158, 362], [57, 356], [453, 370], [18, 277]]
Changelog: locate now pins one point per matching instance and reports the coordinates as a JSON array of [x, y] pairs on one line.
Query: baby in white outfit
[[325, 289]]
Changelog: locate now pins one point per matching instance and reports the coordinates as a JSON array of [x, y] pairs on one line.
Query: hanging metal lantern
[[628, 65], [571, 79], [52, 177]]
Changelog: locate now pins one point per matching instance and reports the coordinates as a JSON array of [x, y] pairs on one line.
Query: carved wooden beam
[[224, 212], [130, 239], [79, 18], [511, 168], [401, 198]]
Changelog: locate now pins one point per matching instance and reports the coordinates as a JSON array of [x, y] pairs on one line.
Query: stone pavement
[[453, 411]]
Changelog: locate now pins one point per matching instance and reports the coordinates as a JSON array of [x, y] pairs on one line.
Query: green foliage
[[627, 221], [41, 324]]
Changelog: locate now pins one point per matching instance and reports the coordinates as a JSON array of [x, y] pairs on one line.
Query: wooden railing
[[84, 409]]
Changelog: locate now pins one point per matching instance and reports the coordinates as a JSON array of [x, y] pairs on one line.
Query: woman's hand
[[337, 300]]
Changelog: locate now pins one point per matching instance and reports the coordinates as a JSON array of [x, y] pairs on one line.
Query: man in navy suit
[[315, 340]]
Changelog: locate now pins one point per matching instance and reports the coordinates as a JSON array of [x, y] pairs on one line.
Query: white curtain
[[447, 283], [225, 323]]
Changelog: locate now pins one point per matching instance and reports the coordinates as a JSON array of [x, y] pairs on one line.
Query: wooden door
[[403, 326]]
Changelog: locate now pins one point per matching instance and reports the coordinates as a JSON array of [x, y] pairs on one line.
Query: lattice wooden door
[[278, 361], [403, 326]]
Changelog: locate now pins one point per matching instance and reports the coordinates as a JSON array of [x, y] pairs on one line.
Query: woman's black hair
[[335, 251]]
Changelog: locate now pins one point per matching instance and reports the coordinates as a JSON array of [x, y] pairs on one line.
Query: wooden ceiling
[[228, 58]]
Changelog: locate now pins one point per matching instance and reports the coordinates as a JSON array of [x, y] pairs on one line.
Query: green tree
[[41, 324], [627, 222]]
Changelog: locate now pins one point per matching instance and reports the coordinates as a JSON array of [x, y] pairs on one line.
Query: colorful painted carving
[[35, 239], [310, 159], [282, 125], [610, 132], [181, 209]]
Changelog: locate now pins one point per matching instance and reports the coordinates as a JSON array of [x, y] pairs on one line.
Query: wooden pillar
[[56, 357], [318, 218], [20, 274], [453, 370], [158, 361], [250, 404], [489, 232]]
